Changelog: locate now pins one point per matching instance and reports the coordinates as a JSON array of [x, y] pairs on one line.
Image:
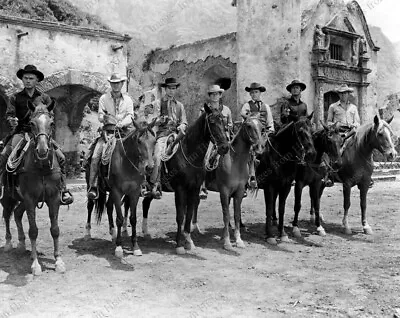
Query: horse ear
[[376, 120], [51, 106], [31, 106], [207, 109], [390, 119], [151, 125], [310, 116], [324, 125], [135, 124]]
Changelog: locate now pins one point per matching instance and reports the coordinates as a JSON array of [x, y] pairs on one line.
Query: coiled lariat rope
[[207, 164], [13, 160]]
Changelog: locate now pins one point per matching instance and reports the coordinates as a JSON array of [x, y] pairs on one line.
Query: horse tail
[[100, 205]]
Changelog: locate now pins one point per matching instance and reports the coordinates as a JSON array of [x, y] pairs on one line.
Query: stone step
[[385, 172], [384, 178]]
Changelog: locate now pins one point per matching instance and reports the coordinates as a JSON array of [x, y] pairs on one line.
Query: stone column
[[268, 41]]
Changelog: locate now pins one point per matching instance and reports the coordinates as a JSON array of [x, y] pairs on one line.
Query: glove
[[119, 125], [182, 127]]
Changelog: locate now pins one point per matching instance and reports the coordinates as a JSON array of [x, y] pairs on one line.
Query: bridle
[[253, 140], [36, 136]]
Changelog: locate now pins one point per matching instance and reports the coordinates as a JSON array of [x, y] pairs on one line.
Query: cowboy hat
[[116, 78], [171, 81], [30, 69], [344, 88], [215, 89], [294, 83], [254, 86]]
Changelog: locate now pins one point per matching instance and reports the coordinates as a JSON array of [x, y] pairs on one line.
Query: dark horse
[[185, 171], [232, 174], [290, 146], [357, 165], [131, 159], [38, 180], [327, 142]]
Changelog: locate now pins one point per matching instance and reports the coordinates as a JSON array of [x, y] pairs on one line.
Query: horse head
[[42, 125], [215, 124], [145, 140], [253, 131], [302, 129], [382, 138], [330, 142]]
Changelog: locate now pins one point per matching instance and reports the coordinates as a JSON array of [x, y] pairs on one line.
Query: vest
[[164, 107], [262, 110]]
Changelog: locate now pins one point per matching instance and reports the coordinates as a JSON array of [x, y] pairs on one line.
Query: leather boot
[[172, 145], [93, 193], [66, 196]]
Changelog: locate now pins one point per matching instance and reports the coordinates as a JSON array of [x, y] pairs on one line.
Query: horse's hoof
[[21, 247], [125, 234], [119, 252], [321, 231], [36, 268], [87, 237], [196, 229], [296, 232], [8, 246], [60, 266], [147, 236], [347, 231], [137, 252], [228, 247], [368, 230], [189, 246], [271, 241], [284, 239], [180, 250], [240, 244]]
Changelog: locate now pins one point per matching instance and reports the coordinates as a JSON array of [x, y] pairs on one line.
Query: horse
[[357, 165], [327, 141], [38, 179], [185, 171], [232, 174], [131, 160], [290, 146]]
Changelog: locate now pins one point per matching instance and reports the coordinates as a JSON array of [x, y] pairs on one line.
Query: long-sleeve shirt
[[292, 110], [264, 110], [347, 116], [120, 108], [18, 107], [174, 111]]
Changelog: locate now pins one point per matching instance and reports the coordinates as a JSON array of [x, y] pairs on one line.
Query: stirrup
[[67, 201], [203, 194]]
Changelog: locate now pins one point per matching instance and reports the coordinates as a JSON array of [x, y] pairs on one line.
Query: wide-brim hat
[[169, 82], [116, 78], [344, 88], [30, 69], [296, 83], [215, 89], [254, 86]]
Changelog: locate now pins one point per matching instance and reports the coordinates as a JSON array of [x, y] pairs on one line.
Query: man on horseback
[[115, 112], [18, 117], [171, 119], [293, 107], [256, 107], [214, 95]]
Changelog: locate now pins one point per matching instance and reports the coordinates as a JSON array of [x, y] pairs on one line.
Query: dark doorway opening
[[329, 98]]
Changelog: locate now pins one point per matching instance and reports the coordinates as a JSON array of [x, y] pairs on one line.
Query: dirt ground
[[332, 276]]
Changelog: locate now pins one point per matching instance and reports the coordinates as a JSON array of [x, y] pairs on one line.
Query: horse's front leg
[[193, 200], [146, 207], [126, 203], [181, 206], [316, 199], [18, 214], [116, 199], [88, 227], [224, 197], [269, 208], [237, 210], [346, 206], [33, 234], [282, 202], [195, 228], [298, 189], [363, 205], [110, 209], [54, 206], [133, 201], [7, 212]]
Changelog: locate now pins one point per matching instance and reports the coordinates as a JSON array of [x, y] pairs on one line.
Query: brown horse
[[357, 165], [232, 174], [131, 160], [38, 180], [326, 141], [185, 171], [290, 146]]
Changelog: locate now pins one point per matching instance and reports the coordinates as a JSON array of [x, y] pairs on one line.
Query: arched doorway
[[4, 130]]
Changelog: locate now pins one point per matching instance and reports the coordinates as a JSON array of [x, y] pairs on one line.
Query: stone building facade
[[324, 43], [75, 61]]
